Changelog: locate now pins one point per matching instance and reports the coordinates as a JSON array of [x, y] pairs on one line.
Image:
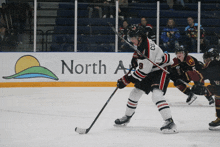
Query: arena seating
[[94, 34]]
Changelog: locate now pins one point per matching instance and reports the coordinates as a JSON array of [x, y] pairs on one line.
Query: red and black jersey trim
[[148, 46], [139, 74], [163, 79], [165, 59]]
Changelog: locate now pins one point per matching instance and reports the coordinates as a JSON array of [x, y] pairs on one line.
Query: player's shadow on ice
[[136, 129], [195, 104]]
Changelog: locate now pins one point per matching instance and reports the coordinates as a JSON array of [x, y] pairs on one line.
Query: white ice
[[47, 117]]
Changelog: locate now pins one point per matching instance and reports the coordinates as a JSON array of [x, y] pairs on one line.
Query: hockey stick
[[184, 82], [136, 49], [85, 131]]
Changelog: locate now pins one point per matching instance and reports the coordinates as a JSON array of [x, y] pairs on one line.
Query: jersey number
[[152, 47], [140, 65]]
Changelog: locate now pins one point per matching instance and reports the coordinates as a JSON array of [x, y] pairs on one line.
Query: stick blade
[[81, 131]]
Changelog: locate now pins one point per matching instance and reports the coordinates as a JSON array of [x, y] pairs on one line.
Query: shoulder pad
[[121, 28], [190, 61], [149, 25], [175, 62]]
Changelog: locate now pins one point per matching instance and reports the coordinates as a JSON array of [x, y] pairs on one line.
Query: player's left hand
[[199, 89], [134, 63], [123, 82]]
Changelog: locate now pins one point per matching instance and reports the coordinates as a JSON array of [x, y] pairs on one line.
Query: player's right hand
[[123, 82]]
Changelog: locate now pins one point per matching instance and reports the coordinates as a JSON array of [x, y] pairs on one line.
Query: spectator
[[1, 19], [8, 42], [170, 36], [123, 4], [3, 13], [97, 8], [108, 9], [192, 33], [23, 10], [148, 28], [123, 31], [170, 3]]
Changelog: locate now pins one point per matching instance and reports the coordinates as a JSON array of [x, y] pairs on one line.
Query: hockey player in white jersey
[[147, 78]]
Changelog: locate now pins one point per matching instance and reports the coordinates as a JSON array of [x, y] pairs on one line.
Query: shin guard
[[133, 99], [162, 105]]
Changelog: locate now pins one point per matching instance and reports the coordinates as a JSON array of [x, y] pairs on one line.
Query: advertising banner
[[68, 68]]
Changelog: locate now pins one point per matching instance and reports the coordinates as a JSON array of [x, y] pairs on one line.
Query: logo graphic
[[29, 67]]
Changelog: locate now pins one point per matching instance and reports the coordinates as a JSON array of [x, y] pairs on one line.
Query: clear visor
[[179, 52]]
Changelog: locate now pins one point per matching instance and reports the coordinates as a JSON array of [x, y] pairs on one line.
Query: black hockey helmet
[[212, 53], [135, 31], [180, 48]]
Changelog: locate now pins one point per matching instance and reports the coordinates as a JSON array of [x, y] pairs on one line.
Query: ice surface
[[47, 117]]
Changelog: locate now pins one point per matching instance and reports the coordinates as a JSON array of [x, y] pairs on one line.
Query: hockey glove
[[199, 90], [134, 63], [123, 82], [178, 82]]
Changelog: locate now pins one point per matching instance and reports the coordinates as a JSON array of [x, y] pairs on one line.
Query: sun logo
[[29, 67]]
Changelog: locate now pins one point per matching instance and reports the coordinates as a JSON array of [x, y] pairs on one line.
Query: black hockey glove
[[134, 63], [178, 82], [199, 90], [123, 82]]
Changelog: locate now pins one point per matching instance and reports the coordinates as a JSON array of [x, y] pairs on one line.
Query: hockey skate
[[215, 125], [191, 98], [211, 100], [169, 127], [124, 120]]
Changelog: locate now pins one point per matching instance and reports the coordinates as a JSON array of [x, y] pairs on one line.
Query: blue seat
[[64, 47], [210, 22], [59, 38], [95, 21], [134, 21], [147, 13], [71, 13], [65, 21], [213, 40], [64, 29], [72, 5], [212, 30], [66, 5], [85, 21], [65, 13], [83, 30], [101, 30], [63, 38], [71, 29], [178, 14], [97, 39], [82, 47], [55, 47]]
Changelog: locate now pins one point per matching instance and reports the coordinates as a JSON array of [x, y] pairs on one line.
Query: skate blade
[[193, 99], [212, 105], [121, 125], [214, 128], [169, 131]]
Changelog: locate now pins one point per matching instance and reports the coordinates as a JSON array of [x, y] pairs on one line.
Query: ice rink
[[47, 117]]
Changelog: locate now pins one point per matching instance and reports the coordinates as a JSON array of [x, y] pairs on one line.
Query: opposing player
[[186, 68], [147, 78], [211, 71]]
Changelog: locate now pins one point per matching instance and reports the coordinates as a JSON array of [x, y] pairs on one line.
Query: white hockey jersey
[[155, 54]]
